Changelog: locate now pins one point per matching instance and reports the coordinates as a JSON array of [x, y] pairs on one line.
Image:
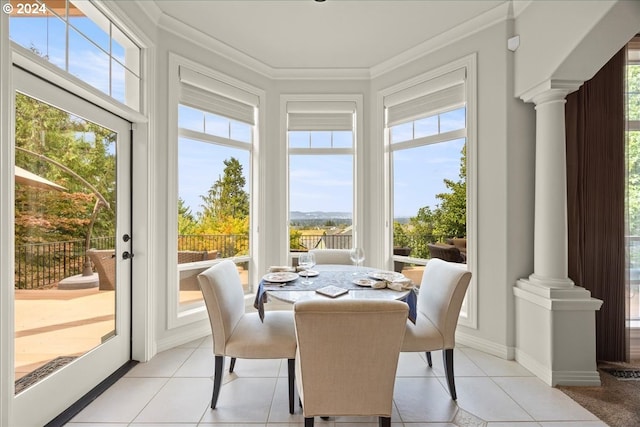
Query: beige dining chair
[[347, 356], [442, 290], [332, 256], [237, 334]]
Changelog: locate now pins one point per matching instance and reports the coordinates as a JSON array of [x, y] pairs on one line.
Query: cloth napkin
[[261, 298]]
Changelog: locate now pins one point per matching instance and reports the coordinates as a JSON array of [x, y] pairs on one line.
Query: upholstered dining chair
[[442, 290], [237, 334], [332, 256], [347, 356]]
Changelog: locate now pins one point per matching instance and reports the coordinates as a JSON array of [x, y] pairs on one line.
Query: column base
[[555, 332]]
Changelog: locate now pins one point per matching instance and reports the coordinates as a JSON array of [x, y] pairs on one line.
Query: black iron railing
[[43, 265]]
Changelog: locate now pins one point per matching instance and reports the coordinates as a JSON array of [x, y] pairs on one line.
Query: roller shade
[[206, 93], [443, 93], [320, 116]]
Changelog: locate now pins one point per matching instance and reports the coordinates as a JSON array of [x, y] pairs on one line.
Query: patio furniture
[[444, 285], [445, 252], [237, 334], [332, 256], [104, 262], [189, 278], [347, 357]]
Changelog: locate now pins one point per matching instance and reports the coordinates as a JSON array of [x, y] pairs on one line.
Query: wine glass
[[357, 256], [306, 261]]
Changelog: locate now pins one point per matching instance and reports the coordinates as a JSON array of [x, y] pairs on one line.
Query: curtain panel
[[595, 146]]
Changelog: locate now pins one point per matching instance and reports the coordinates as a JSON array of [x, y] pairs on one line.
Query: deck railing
[[43, 265]]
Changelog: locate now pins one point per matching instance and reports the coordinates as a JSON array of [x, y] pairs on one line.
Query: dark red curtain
[[596, 200]]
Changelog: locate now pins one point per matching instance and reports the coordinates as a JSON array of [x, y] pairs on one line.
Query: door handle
[[127, 255]]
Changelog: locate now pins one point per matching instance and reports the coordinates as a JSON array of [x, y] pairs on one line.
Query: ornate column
[[555, 320]]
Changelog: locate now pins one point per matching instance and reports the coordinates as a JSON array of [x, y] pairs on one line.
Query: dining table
[[347, 281]]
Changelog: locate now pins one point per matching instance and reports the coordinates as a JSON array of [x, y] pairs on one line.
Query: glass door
[[71, 241]]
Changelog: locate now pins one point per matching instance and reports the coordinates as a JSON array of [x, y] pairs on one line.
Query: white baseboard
[[189, 334], [554, 378], [486, 346]]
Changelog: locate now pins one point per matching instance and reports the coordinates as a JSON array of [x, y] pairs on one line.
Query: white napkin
[[400, 284], [281, 268]]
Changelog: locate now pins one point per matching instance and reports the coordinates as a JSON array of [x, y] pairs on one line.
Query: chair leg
[[428, 353], [447, 358], [291, 363], [217, 380], [384, 421], [308, 422], [232, 365]]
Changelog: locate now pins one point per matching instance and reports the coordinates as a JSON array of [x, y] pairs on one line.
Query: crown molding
[[150, 9], [498, 14], [154, 13]]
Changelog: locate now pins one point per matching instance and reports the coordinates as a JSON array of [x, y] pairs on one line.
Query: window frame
[[133, 90], [180, 315], [468, 317], [356, 151]]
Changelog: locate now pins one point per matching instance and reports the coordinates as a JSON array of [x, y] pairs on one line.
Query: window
[[427, 142], [216, 123], [321, 174], [78, 38], [632, 181]]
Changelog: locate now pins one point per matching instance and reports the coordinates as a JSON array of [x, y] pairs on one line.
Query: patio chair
[[332, 256], [445, 252], [444, 285], [237, 334], [347, 356], [104, 262]]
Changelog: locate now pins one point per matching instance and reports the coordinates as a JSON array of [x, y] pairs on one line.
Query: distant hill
[[318, 215]]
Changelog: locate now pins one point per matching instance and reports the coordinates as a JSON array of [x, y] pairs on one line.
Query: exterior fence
[[43, 265], [324, 241]]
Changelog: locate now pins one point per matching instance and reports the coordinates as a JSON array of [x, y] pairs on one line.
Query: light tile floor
[[174, 389]]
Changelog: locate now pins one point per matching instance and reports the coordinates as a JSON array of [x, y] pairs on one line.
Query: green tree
[[447, 219], [226, 197], [186, 221], [226, 209], [83, 147]]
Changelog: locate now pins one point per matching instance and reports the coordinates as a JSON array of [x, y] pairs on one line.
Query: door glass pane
[[65, 208]]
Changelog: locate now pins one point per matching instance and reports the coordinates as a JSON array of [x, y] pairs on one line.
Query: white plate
[[309, 273], [389, 276], [364, 282], [280, 277]]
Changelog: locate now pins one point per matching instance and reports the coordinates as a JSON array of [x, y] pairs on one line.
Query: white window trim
[[177, 315], [469, 316], [357, 151]]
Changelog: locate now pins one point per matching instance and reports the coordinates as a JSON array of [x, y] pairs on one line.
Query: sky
[[316, 184]]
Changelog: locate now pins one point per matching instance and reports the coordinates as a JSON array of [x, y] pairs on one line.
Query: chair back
[[224, 298], [442, 290], [347, 355], [104, 261], [332, 256], [445, 252]]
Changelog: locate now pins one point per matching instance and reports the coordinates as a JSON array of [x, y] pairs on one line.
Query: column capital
[[551, 90]]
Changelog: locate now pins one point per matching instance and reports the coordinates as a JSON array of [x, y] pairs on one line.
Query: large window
[[321, 174], [215, 137], [427, 144], [78, 38]]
